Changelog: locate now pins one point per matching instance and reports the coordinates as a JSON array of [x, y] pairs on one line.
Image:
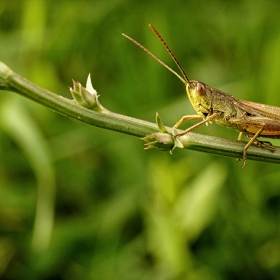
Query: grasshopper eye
[[200, 88]]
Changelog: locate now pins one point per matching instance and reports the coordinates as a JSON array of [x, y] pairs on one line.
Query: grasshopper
[[249, 118]]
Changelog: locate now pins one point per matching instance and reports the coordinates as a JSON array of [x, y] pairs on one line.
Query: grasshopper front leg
[[187, 118], [209, 118]]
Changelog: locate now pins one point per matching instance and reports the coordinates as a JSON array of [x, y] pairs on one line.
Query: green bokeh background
[[79, 202]]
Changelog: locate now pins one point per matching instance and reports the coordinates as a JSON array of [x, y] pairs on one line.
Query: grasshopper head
[[200, 96]]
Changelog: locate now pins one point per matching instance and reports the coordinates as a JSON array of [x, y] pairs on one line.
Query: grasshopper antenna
[[185, 80], [171, 54]]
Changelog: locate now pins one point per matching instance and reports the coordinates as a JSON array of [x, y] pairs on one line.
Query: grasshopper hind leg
[[254, 141], [265, 145]]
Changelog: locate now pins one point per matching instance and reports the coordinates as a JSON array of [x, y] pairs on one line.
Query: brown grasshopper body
[[249, 118], [244, 116]]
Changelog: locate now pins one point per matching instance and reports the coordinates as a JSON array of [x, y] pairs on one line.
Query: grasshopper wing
[[258, 109], [252, 124]]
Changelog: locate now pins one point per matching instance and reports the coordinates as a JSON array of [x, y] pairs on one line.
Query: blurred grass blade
[[17, 123], [198, 202]]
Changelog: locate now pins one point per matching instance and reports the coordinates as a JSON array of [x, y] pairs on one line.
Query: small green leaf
[[75, 92], [177, 144], [160, 124]]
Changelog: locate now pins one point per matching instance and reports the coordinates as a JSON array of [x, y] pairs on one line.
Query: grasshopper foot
[[179, 134], [265, 145], [244, 163]]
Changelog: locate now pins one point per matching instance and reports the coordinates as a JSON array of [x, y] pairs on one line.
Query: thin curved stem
[[11, 81]]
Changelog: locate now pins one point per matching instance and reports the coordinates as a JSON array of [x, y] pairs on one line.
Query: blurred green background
[[79, 202]]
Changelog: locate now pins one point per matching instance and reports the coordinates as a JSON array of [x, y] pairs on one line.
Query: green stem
[[11, 81], [228, 147]]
